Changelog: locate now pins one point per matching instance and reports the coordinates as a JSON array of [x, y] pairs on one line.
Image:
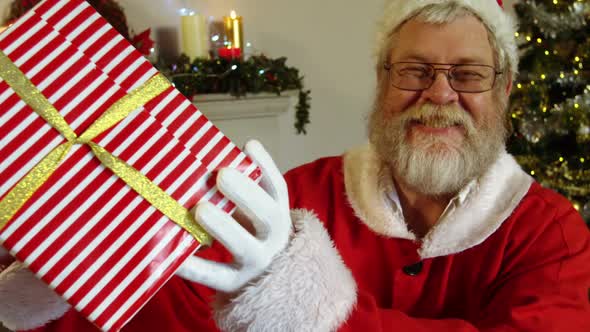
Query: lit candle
[[234, 30], [195, 41]]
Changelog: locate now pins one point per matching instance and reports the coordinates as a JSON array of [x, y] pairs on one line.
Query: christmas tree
[[550, 105]]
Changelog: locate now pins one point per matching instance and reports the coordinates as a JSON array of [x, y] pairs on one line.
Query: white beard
[[429, 164]]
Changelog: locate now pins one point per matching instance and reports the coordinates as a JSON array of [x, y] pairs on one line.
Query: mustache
[[437, 116]]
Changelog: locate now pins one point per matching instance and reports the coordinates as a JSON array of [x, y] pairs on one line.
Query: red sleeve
[[546, 289], [178, 306]]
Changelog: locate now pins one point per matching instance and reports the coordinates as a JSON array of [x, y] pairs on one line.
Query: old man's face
[[438, 139]]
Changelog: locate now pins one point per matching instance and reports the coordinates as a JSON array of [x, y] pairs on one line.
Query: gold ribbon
[[28, 185]]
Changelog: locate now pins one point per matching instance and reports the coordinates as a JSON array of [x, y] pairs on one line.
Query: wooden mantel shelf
[[227, 107]]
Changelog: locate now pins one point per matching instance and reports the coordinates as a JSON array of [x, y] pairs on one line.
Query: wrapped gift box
[[101, 161]]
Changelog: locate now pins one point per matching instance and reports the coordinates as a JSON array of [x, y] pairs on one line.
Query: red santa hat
[[501, 24]]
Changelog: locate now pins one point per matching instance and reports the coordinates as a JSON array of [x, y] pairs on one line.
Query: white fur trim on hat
[[306, 288], [25, 301], [501, 24]]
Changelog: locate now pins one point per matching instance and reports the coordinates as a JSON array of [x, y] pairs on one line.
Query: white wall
[[330, 41]]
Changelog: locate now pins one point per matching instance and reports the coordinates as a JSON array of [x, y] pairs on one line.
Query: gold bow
[[28, 185]]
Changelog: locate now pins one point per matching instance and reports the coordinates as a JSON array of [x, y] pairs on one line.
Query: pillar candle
[[195, 39], [234, 30]]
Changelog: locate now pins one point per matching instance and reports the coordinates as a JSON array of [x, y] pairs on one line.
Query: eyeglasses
[[416, 76]]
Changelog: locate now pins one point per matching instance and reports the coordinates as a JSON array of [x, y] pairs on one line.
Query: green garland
[[238, 77]]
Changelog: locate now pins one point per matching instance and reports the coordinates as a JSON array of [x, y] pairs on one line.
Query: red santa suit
[[506, 255]]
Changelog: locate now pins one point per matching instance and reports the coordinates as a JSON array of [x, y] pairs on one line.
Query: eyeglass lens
[[462, 78]]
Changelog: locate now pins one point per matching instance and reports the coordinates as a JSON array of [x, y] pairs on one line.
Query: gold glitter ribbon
[[28, 185]]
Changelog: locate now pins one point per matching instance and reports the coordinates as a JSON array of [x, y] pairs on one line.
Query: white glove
[[267, 210]]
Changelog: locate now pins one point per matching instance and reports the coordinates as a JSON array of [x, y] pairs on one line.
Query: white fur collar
[[496, 194]]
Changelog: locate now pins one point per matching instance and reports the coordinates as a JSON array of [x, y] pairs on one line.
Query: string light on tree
[[550, 107]]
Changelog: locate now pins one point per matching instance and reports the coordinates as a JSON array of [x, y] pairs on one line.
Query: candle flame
[[233, 14]]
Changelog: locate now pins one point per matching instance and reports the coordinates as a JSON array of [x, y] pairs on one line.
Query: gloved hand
[[267, 208]]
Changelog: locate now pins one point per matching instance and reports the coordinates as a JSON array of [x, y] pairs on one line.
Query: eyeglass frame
[[389, 66]]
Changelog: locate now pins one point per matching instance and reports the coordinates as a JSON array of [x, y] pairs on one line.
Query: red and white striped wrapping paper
[[85, 233]]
